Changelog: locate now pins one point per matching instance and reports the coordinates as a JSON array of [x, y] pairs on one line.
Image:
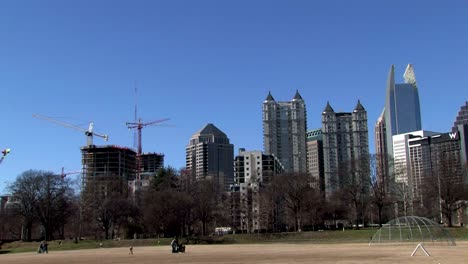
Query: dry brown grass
[[252, 253]]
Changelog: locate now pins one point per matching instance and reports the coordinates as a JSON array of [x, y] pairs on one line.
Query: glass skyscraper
[[402, 112]]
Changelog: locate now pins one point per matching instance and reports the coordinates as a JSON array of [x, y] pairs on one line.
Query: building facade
[[462, 117], [315, 159], [401, 157], [345, 144], [148, 165], [381, 156], [437, 159], [209, 156], [253, 171], [284, 132], [108, 169], [402, 112]]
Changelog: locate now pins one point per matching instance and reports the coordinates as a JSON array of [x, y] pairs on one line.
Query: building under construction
[[149, 164], [108, 169]]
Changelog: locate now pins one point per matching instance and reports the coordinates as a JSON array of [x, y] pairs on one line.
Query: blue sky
[[199, 62]]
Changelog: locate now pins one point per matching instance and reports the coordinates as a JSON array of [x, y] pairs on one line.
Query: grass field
[[276, 253], [325, 237]]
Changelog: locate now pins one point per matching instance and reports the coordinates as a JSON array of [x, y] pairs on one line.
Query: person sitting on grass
[[175, 245]]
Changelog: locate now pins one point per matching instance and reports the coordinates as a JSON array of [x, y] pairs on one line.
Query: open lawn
[[360, 253]]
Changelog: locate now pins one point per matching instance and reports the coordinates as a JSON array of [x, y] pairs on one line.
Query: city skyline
[[214, 63]]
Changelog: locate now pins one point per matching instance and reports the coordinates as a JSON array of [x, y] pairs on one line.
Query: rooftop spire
[[297, 96], [328, 108], [409, 75], [359, 106], [269, 97]]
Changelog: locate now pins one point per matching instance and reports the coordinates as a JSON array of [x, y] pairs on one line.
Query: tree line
[[47, 206]]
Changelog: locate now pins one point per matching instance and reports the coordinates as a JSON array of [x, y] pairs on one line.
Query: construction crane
[[4, 153], [88, 132], [139, 126], [64, 174]]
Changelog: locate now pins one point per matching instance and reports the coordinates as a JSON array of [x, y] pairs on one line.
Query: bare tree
[[314, 207], [26, 192], [400, 191], [205, 199], [166, 208], [272, 201], [293, 188], [354, 188], [447, 185], [380, 181], [44, 196]]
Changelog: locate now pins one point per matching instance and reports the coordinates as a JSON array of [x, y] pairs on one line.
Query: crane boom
[[139, 126], [88, 132], [64, 174], [4, 152]]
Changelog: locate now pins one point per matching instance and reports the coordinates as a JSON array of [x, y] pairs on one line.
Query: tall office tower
[[284, 132], [209, 155], [345, 144], [401, 164], [381, 157], [402, 110], [315, 159], [462, 117], [437, 160], [253, 170]]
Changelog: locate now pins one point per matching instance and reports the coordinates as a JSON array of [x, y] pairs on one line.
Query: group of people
[[176, 246], [43, 247]]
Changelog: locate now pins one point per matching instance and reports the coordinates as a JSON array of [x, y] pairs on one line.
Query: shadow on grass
[[4, 251]]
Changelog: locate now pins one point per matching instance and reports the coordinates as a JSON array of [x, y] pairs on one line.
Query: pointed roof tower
[[328, 108], [391, 78], [359, 106], [297, 96], [269, 97], [210, 129], [409, 75]]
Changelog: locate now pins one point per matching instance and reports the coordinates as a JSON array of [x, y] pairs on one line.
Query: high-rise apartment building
[[284, 132], [209, 155], [253, 170], [402, 112], [345, 144], [315, 159], [462, 117]]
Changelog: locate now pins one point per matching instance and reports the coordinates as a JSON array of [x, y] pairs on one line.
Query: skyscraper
[[210, 156], [315, 159], [345, 144], [381, 157], [462, 117], [402, 112], [284, 132]]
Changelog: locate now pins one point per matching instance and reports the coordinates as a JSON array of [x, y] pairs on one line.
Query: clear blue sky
[[199, 62]]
